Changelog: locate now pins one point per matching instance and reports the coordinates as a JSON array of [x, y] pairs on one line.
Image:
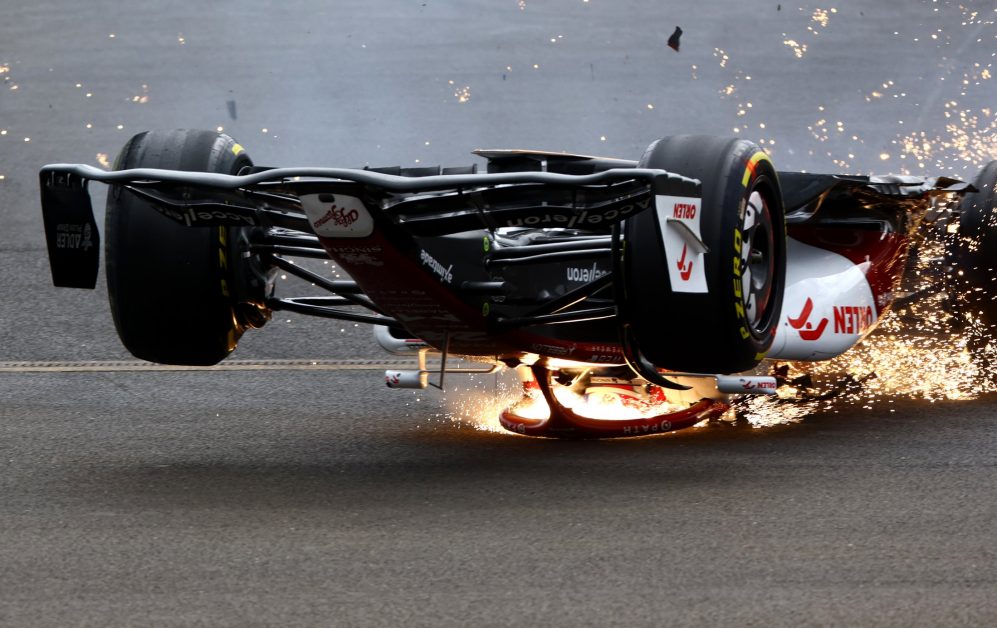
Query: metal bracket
[[687, 234]]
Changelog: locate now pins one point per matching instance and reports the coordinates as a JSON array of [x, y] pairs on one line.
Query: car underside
[[631, 297]]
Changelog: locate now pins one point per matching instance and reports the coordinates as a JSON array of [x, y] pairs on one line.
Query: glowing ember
[[720, 54], [143, 97], [462, 94], [822, 16]]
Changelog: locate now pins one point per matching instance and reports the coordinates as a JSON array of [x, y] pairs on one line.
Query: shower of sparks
[[920, 352], [462, 94], [7, 78], [103, 160], [821, 17], [476, 401], [720, 54], [970, 142], [143, 97], [798, 49]]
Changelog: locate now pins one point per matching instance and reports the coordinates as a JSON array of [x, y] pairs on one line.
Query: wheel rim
[[758, 262]]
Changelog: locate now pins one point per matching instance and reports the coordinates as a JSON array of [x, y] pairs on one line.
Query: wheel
[[972, 254], [178, 294], [714, 310]]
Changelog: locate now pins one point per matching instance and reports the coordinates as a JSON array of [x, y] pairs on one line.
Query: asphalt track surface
[[278, 492]]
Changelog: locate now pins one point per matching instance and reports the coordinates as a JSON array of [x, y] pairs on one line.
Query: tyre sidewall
[[170, 285]]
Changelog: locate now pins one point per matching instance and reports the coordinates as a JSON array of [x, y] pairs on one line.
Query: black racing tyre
[[972, 255], [728, 325], [973, 252], [171, 287]]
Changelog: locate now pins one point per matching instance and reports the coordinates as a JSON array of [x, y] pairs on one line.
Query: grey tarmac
[[278, 494]]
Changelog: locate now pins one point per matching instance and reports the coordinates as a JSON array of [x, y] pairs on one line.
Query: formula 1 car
[[631, 297]]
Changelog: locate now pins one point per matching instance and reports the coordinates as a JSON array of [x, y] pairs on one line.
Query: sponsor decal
[[551, 349], [337, 215], [685, 211], [635, 430], [738, 279], [445, 273], [585, 275], [204, 217], [569, 220], [685, 268], [748, 384], [848, 319], [678, 220], [602, 358], [360, 259], [340, 216], [360, 255], [852, 319], [70, 236], [803, 325]]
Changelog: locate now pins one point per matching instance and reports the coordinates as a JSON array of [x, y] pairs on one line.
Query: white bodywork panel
[[828, 305]]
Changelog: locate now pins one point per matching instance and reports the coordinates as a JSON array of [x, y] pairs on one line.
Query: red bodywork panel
[[881, 255]]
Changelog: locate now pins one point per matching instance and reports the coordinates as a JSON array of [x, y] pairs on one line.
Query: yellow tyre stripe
[[752, 164]]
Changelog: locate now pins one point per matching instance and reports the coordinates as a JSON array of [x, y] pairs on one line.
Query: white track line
[[229, 365]]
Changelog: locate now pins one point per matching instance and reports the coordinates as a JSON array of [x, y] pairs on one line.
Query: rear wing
[[434, 205]]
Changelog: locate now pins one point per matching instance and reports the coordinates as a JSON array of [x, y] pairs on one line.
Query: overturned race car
[[631, 297]]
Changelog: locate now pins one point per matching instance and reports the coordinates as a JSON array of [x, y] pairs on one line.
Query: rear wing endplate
[[70, 231]]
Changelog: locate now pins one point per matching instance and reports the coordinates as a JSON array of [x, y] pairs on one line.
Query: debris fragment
[[673, 41]]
